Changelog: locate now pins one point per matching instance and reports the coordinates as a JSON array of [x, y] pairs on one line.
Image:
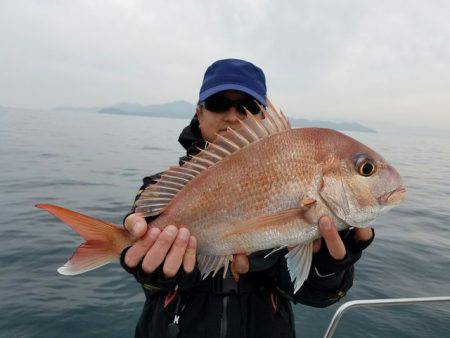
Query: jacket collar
[[191, 138]]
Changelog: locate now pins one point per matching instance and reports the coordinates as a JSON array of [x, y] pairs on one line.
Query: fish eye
[[366, 168]]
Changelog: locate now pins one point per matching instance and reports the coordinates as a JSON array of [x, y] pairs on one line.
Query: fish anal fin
[[208, 264]]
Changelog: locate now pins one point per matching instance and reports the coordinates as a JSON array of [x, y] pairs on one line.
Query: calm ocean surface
[[93, 163]]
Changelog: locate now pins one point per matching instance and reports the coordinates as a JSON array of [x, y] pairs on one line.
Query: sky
[[366, 61]]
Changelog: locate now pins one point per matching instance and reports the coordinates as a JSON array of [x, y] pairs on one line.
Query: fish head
[[359, 184]]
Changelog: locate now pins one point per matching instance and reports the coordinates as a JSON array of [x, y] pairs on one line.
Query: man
[[178, 302]]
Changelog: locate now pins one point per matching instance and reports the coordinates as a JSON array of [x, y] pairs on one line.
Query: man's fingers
[[139, 249], [240, 264], [363, 234], [136, 225], [174, 258], [189, 256], [155, 256], [317, 245], [332, 239]]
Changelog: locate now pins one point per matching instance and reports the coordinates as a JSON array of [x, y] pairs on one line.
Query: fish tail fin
[[104, 241]]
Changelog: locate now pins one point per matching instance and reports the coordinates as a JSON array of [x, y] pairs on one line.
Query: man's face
[[212, 123]]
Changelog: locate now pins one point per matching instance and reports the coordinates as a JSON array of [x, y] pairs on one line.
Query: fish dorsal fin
[[155, 198]]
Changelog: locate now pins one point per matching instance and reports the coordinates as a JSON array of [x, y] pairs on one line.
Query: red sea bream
[[262, 186]]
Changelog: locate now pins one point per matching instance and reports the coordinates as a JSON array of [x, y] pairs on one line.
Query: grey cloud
[[355, 60]]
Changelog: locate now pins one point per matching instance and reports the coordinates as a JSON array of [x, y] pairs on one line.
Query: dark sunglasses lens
[[218, 104], [251, 106]]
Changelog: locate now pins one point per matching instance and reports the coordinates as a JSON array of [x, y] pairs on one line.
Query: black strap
[[251, 282]]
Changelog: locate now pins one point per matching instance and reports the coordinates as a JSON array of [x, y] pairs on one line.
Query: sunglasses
[[220, 104]]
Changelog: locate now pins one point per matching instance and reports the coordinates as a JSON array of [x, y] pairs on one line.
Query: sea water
[[94, 163]]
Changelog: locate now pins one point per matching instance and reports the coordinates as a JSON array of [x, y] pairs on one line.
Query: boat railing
[[376, 303]]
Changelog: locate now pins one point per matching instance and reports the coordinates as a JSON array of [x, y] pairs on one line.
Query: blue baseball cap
[[234, 74]]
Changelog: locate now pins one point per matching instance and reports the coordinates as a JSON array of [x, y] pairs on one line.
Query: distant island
[[343, 126], [172, 110], [76, 109], [185, 110]]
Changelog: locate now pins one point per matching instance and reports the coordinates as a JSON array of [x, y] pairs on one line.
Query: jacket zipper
[[223, 321]]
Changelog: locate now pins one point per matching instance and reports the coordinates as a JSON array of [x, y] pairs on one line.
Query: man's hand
[[332, 239], [173, 246], [239, 265]]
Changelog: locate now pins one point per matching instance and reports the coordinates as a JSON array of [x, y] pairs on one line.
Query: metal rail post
[[377, 302]]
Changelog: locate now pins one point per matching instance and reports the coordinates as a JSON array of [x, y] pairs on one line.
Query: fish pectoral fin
[[299, 263], [210, 263], [280, 218]]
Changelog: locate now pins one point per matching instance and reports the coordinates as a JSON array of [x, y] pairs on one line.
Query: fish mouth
[[392, 197]]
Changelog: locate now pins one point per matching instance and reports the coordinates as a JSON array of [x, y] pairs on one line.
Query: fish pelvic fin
[[155, 199], [104, 241], [299, 263]]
